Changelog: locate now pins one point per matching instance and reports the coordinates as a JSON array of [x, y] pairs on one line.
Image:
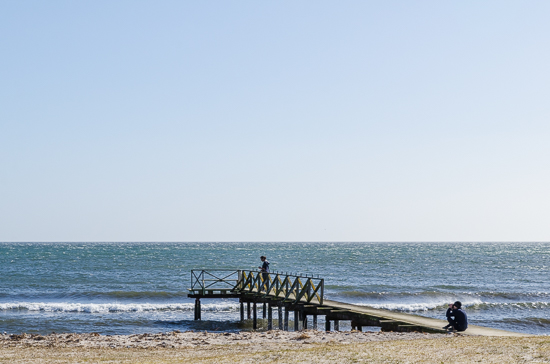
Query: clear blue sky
[[274, 121]]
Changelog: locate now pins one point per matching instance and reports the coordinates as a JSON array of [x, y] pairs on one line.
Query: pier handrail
[[214, 279], [297, 288], [284, 286]]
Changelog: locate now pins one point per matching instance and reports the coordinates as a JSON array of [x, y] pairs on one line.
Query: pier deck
[[303, 296]]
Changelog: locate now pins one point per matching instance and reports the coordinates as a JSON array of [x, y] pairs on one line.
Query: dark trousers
[[454, 324], [265, 279]]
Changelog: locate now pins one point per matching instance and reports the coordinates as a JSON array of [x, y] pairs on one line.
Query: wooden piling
[[286, 319], [327, 325], [336, 325], [296, 320], [264, 309], [269, 317], [280, 316], [314, 322], [248, 317], [254, 317], [242, 311], [197, 309]]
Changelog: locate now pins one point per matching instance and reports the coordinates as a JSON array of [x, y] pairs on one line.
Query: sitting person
[[460, 321]]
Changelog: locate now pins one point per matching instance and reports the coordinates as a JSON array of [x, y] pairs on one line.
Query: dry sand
[[272, 346], [191, 339]]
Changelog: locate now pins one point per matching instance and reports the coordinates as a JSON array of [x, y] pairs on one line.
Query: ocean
[[129, 288]]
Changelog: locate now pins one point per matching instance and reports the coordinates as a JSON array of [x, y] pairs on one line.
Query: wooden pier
[[302, 296]]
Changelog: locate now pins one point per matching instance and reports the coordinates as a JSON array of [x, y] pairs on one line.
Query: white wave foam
[[519, 305], [418, 306], [113, 307], [405, 306]]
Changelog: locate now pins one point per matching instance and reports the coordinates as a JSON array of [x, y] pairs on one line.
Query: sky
[[277, 121]]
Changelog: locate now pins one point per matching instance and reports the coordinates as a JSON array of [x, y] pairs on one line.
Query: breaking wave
[[417, 306], [471, 304], [114, 307]]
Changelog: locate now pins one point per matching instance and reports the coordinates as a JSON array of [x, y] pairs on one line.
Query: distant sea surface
[[127, 288]]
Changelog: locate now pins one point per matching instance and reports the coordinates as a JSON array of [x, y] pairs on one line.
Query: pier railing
[[297, 288], [219, 280], [287, 287]]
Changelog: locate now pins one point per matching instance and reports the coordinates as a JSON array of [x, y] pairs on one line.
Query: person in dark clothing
[[460, 320], [265, 271]]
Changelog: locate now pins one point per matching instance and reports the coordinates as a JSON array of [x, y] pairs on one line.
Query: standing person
[[460, 321], [265, 271]]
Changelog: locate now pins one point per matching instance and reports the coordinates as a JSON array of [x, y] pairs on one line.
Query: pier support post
[[242, 311], [296, 320], [336, 325], [280, 316], [269, 317], [327, 325], [304, 320], [248, 317], [314, 323], [263, 315], [286, 319], [197, 309], [254, 317]]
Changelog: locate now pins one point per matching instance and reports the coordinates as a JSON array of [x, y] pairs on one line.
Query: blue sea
[[128, 288]]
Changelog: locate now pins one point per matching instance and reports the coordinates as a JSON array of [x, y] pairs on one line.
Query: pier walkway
[[303, 296]]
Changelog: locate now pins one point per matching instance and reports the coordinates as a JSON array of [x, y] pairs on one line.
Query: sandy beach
[[273, 346]]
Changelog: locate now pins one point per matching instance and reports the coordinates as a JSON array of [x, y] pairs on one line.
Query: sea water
[[126, 288]]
